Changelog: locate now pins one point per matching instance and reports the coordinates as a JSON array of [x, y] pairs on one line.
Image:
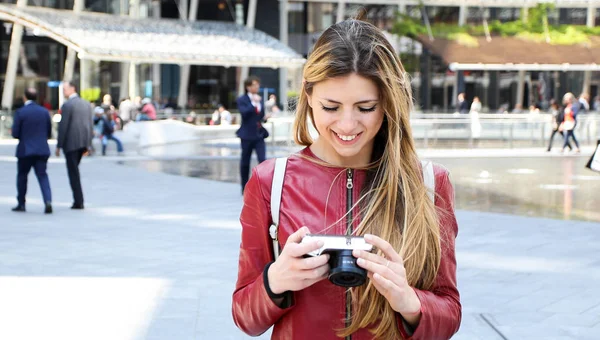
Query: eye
[[328, 109], [369, 109]]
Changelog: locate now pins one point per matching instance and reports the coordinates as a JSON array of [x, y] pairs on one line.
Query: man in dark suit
[[32, 127], [251, 132], [75, 134]]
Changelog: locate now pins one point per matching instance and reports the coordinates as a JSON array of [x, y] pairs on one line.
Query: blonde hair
[[394, 203]]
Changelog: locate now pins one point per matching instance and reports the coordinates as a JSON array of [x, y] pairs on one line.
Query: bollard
[[273, 136], [510, 141]]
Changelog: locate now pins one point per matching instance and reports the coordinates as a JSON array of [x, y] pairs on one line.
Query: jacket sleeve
[[90, 126], [440, 308], [16, 127], [245, 107], [253, 310], [63, 126], [49, 123]]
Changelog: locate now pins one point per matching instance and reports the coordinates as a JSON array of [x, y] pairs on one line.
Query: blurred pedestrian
[[148, 111], [462, 106], [32, 127], [105, 125], [475, 122], [75, 137], [271, 108], [570, 120], [558, 116], [224, 115]]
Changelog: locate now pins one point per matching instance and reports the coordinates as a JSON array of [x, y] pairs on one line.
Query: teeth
[[346, 138]]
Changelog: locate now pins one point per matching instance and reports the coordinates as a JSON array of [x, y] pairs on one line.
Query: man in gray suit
[[75, 134]]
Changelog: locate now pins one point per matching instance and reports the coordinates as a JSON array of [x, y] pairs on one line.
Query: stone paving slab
[[154, 256]]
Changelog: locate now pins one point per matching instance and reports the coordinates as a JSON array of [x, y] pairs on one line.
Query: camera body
[[344, 271]]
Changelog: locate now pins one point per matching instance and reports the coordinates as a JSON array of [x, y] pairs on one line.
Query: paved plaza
[[154, 256]]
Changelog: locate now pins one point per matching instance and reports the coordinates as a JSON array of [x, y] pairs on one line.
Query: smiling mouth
[[347, 138]]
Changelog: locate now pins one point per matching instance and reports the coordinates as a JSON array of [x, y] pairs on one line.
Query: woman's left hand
[[389, 277]]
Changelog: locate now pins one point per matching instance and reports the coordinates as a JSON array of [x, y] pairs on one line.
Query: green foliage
[[532, 29], [91, 95], [464, 39], [408, 26]]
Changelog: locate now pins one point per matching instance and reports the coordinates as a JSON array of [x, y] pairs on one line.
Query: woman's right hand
[[292, 271]]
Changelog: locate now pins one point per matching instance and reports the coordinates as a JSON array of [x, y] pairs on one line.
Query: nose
[[347, 123]]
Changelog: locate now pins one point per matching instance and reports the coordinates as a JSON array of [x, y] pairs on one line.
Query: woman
[[570, 120], [362, 176], [475, 122], [558, 116]]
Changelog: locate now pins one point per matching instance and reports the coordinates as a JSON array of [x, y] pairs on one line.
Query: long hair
[[394, 203]]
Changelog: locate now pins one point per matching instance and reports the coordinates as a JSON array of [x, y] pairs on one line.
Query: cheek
[[376, 121]]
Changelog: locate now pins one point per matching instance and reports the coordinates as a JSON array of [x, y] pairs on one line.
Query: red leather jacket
[[315, 196]]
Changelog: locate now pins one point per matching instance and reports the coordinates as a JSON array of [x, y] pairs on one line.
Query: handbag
[[568, 125], [277, 188], [263, 133]]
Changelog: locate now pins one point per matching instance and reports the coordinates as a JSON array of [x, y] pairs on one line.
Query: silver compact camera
[[344, 271]]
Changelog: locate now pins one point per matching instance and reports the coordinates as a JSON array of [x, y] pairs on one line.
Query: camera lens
[[344, 271]]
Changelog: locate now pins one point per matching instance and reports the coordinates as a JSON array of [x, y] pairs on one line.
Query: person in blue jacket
[[32, 126], [251, 132]]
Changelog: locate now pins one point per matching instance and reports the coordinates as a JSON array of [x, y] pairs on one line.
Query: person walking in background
[[570, 120], [32, 127], [126, 111], [462, 106], [224, 115], [558, 116], [148, 111], [475, 122], [74, 137], [105, 126], [251, 132], [271, 107]]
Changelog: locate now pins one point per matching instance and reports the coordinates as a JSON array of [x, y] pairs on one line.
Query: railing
[[508, 130]]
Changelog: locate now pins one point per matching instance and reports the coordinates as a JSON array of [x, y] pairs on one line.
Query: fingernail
[[360, 261], [320, 243], [367, 236]]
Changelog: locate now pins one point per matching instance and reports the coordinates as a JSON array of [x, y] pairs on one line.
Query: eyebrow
[[360, 102]]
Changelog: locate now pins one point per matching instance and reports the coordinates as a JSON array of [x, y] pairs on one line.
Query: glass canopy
[[99, 36]]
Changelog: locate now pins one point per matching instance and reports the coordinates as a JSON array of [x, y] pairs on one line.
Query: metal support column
[[250, 24], [12, 62], [134, 12], [462, 15], [521, 88], [283, 36], [156, 67], [587, 75], [341, 11], [70, 60], [124, 86], [184, 70]]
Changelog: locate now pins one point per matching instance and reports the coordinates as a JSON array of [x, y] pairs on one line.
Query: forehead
[[350, 88]]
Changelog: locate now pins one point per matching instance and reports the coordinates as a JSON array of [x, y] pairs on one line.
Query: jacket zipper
[[349, 186]]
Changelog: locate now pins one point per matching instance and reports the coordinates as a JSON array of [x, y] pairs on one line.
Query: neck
[[327, 153]]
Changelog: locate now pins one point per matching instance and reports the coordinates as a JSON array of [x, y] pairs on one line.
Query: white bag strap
[[429, 179], [276, 189]]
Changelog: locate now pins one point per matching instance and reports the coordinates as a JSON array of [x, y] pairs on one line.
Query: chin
[[347, 152]]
